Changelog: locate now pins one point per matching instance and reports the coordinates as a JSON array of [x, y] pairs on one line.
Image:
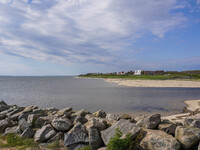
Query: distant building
[[121, 73], [159, 72], [138, 72], [149, 72]]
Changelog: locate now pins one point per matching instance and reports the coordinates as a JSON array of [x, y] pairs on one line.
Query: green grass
[[53, 145], [88, 147], [12, 140], [171, 76]]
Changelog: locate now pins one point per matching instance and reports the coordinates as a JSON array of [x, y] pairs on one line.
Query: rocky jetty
[[81, 128]]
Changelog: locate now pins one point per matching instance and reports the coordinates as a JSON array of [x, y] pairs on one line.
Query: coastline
[[45, 127], [156, 83]]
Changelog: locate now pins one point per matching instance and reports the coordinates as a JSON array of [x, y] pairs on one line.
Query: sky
[[71, 37]]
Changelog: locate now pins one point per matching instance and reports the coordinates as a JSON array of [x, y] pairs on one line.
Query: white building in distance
[[138, 72]]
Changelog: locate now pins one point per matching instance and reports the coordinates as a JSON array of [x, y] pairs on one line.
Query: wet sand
[[156, 83]]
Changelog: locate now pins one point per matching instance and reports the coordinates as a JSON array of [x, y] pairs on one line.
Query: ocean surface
[[93, 95]]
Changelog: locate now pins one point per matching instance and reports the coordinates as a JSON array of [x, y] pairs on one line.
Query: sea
[[92, 95]]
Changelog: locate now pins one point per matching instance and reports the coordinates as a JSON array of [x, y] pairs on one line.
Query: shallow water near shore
[[93, 94]]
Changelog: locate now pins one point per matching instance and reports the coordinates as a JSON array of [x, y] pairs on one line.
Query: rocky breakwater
[[77, 129]]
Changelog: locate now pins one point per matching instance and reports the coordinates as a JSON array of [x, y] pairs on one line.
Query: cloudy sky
[[69, 37]]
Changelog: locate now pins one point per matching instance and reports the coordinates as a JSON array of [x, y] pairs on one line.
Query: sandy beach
[[156, 83]]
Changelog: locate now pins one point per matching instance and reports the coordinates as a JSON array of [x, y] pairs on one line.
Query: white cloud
[[82, 30], [198, 2]]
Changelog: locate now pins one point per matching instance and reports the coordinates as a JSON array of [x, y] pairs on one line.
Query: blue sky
[[69, 37]]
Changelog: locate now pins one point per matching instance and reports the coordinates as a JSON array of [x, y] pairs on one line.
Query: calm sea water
[[92, 94]]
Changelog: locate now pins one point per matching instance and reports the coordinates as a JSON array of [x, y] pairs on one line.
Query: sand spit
[[156, 83]]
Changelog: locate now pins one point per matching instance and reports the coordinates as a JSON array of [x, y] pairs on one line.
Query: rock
[[32, 119], [61, 124], [20, 116], [97, 123], [51, 111], [158, 140], [100, 114], [125, 126], [140, 117], [188, 137], [94, 138], [15, 111], [41, 121], [11, 108], [64, 111], [80, 119], [3, 125], [28, 133], [57, 137], [39, 112], [44, 134], [124, 116], [3, 106], [133, 133], [82, 113], [112, 117], [3, 103], [2, 116], [14, 129], [192, 122], [76, 136], [151, 122], [29, 109], [23, 125], [168, 128], [89, 116]]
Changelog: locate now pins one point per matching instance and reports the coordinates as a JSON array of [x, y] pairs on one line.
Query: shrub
[[116, 143]]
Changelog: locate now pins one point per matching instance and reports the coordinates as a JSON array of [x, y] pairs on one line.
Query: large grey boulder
[[32, 119], [94, 138], [168, 128], [125, 126], [14, 129], [97, 123], [28, 133], [158, 140], [23, 124], [151, 122], [100, 114], [57, 137], [188, 137], [44, 134], [76, 136], [3, 125], [41, 121], [61, 124], [80, 119]]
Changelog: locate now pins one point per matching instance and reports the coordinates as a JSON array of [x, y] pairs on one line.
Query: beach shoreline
[[156, 83]]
